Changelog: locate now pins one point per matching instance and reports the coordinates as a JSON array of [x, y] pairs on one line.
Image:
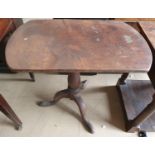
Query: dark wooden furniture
[[143, 96], [7, 110], [77, 46], [5, 25], [141, 91]]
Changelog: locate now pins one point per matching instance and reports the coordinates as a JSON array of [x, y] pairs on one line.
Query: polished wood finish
[[7, 110], [76, 45]]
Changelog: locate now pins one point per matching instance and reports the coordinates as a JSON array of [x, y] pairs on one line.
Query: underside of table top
[[78, 45]]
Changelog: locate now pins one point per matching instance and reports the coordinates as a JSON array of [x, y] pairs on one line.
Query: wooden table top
[[149, 29], [78, 45]]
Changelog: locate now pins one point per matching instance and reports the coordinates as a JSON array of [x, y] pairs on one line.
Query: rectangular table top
[[78, 46]]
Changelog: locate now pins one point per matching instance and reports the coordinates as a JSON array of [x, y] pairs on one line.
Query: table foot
[[89, 127], [45, 103], [7, 111], [72, 92], [142, 133], [18, 127]]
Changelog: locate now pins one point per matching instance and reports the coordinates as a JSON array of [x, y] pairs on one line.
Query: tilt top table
[[74, 47]]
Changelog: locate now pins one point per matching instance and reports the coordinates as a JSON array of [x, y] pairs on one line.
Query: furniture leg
[[59, 95], [7, 110], [123, 78], [82, 107], [72, 92], [32, 76]]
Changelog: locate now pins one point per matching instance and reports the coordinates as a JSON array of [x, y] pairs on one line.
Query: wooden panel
[[78, 45], [136, 95]]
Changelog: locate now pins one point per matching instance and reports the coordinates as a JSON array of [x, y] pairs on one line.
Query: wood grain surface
[[78, 45]]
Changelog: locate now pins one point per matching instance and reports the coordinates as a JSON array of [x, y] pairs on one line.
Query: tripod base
[[72, 92]]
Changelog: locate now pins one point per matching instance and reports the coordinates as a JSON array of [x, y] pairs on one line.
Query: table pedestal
[[7, 110], [72, 92], [138, 103]]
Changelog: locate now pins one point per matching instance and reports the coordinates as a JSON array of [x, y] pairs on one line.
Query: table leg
[[32, 76], [7, 110], [72, 92], [123, 78]]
